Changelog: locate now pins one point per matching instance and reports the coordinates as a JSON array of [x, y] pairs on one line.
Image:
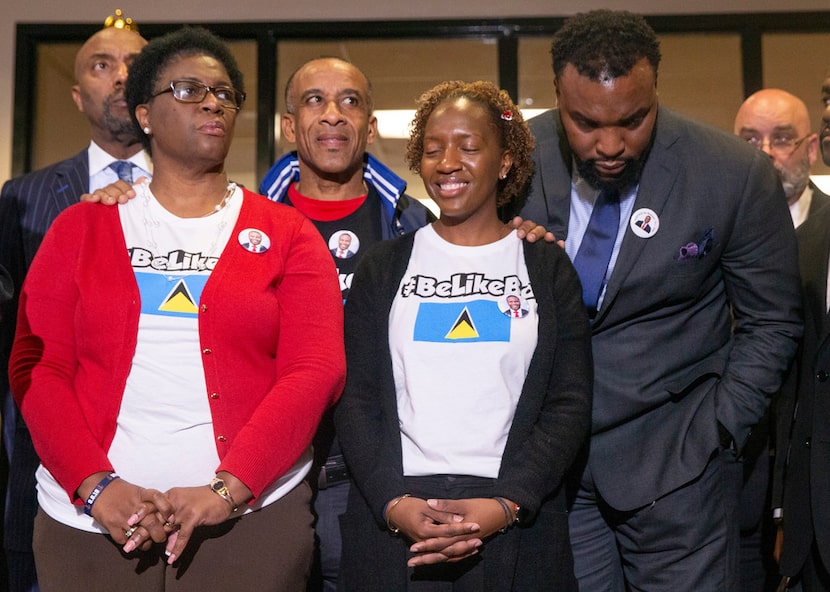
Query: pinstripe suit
[[28, 205], [5, 286]]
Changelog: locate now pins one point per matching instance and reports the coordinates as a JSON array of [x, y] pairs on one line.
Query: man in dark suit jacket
[[804, 414], [803, 464], [28, 206], [679, 380], [778, 123]]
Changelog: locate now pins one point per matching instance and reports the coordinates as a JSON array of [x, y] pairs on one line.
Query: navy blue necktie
[[124, 170], [591, 261]]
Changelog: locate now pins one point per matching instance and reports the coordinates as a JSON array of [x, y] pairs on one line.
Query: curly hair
[[604, 44], [505, 116], [160, 52]]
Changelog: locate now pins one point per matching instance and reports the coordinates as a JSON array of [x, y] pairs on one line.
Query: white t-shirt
[[462, 331], [164, 435]]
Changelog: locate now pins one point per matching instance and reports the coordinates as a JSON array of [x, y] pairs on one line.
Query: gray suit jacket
[[28, 206], [671, 360]]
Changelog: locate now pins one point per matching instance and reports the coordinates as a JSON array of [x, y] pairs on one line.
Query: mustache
[[115, 96], [628, 178]]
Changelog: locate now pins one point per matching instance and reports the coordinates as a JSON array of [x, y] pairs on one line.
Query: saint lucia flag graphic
[[174, 296], [461, 322]]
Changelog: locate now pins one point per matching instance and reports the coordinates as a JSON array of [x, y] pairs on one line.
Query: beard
[[824, 143], [629, 177], [119, 127], [794, 180]]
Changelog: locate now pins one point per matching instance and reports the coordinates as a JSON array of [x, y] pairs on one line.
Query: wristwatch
[[217, 486]]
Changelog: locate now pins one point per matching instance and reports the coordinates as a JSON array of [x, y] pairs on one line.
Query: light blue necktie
[[124, 170], [594, 254]]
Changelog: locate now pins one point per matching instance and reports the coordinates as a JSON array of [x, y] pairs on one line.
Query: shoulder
[[544, 124], [412, 213], [32, 181], [820, 199], [406, 202], [709, 160], [387, 259], [544, 253], [815, 227], [257, 205], [276, 181], [681, 133], [395, 248], [85, 222], [549, 265], [280, 223], [88, 213]]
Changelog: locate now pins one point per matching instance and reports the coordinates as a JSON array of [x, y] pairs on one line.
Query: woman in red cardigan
[[172, 379]]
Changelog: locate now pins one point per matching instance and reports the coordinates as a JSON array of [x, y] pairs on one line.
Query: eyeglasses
[[190, 91], [781, 144]]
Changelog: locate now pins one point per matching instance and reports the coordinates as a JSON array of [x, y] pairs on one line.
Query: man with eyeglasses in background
[[28, 206], [778, 123]]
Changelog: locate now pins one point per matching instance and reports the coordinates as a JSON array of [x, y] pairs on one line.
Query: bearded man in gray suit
[[694, 320]]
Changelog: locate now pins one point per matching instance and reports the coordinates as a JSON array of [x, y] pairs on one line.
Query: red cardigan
[[270, 328]]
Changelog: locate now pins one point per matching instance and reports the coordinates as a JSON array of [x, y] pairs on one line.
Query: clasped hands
[[444, 530], [137, 518]]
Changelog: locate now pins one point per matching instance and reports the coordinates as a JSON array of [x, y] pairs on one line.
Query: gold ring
[[129, 532]]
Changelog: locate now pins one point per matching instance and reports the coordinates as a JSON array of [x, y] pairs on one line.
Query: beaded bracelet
[[102, 484], [392, 504]]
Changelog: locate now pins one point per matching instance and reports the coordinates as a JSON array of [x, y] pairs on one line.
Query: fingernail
[[129, 546], [132, 520], [171, 559]]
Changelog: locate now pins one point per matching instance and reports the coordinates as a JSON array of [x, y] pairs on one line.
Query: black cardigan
[[553, 414]]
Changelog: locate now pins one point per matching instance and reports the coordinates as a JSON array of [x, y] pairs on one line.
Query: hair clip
[[507, 115], [119, 21]]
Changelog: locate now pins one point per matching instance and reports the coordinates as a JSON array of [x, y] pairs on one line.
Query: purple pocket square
[[697, 250]]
